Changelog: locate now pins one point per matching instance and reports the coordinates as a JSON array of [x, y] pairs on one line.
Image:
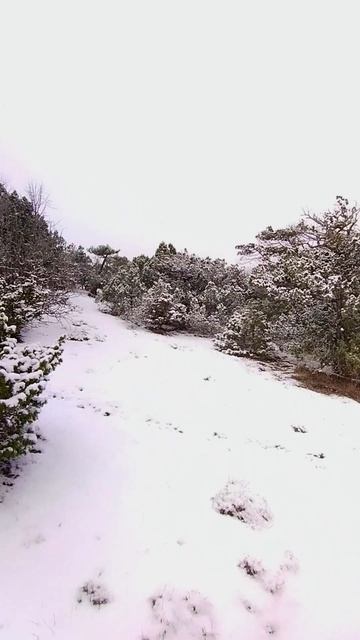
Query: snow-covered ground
[[180, 494]]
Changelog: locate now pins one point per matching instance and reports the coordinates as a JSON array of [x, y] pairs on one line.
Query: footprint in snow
[[168, 425]]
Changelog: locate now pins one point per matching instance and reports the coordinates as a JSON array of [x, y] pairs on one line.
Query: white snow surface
[[145, 436]]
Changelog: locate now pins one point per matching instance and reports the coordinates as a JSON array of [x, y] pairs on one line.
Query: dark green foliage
[[246, 335], [23, 372], [307, 284], [36, 273], [28, 246], [205, 292], [161, 309], [82, 266], [33, 257], [104, 252]]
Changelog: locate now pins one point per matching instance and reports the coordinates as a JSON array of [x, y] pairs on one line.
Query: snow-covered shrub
[[252, 566], [272, 580], [198, 322], [236, 501], [160, 310], [307, 281], [29, 247], [23, 299], [211, 298], [180, 615], [124, 291], [23, 374], [177, 279], [246, 334], [95, 593]]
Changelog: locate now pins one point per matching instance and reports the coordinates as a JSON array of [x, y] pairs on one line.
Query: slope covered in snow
[[180, 494]]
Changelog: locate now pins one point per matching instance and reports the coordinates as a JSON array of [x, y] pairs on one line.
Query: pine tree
[[246, 335], [160, 310], [23, 374], [124, 292], [308, 286], [104, 252]]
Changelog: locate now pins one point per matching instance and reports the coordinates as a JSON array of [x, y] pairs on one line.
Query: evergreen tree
[[82, 265], [104, 252], [246, 335], [160, 311], [23, 374], [124, 292], [308, 286]]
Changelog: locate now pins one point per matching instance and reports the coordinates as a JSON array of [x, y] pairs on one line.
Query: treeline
[[302, 297], [173, 291]]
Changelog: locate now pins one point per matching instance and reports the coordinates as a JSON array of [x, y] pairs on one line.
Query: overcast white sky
[[193, 121]]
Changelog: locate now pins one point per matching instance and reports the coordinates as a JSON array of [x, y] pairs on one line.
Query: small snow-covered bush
[[252, 566], [236, 501], [95, 593], [246, 335], [180, 615], [123, 293], [200, 323], [23, 300], [23, 374], [271, 580], [160, 309]]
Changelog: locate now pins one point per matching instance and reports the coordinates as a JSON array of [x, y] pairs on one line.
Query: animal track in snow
[[167, 425]]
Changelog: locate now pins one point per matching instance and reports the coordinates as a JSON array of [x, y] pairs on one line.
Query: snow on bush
[[307, 284], [252, 567], [272, 581], [246, 335], [23, 299], [160, 310], [176, 616], [236, 501], [174, 291], [200, 322], [78, 333], [95, 593], [23, 374]]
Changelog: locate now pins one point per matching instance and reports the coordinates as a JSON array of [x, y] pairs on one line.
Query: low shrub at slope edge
[[23, 374]]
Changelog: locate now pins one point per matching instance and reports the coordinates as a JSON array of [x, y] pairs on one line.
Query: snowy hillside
[[181, 494]]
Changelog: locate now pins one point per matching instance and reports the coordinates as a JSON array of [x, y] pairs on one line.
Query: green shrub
[[23, 374], [246, 335]]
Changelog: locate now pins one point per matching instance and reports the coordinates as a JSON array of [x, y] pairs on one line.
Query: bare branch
[[39, 198]]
